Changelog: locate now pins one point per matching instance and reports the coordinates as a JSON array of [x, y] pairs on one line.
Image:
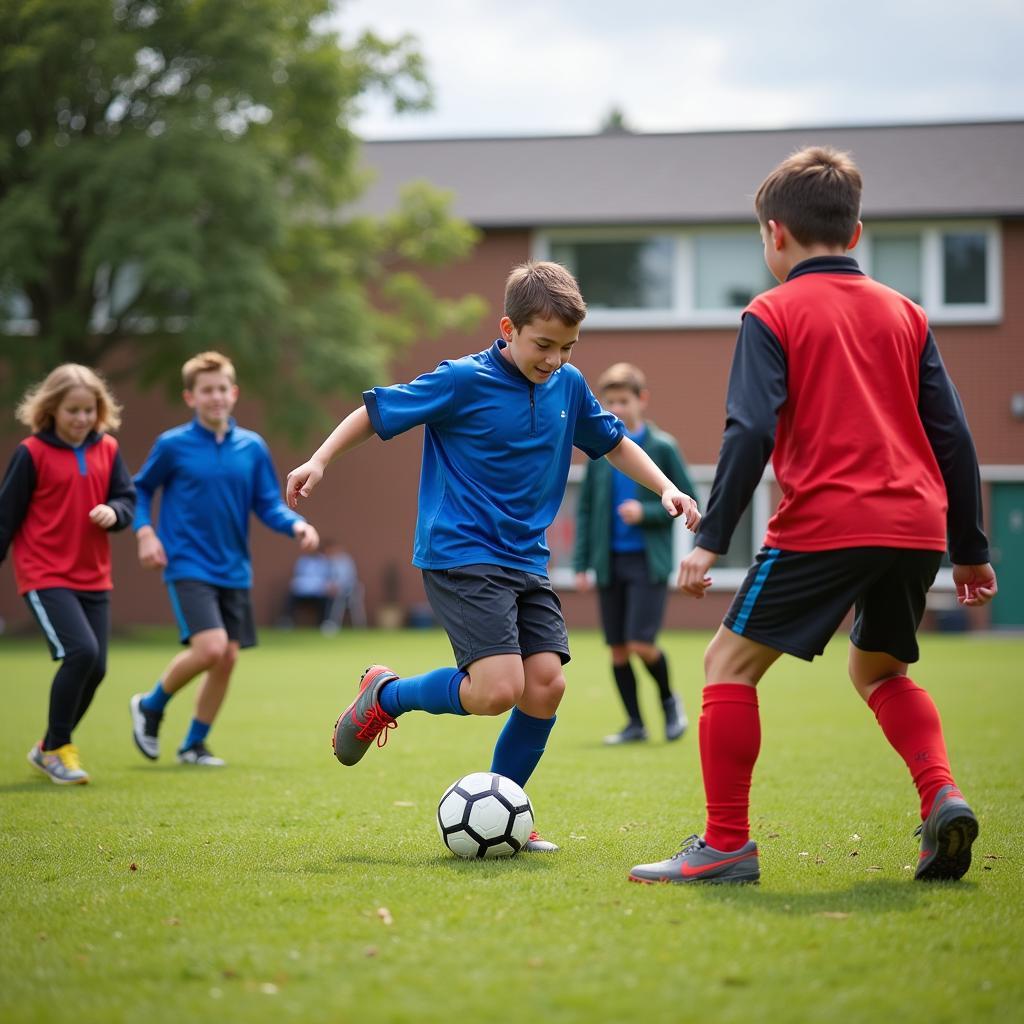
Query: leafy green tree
[[175, 175]]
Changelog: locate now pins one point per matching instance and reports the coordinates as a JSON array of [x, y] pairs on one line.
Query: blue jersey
[[209, 489], [625, 537], [496, 454]]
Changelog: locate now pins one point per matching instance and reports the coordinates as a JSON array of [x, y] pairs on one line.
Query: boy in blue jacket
[[500, 427], [213, 474]]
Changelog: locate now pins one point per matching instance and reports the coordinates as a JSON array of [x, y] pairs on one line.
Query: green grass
[[162, 893]]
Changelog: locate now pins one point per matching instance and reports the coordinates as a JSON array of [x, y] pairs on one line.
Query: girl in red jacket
[[65, 487]]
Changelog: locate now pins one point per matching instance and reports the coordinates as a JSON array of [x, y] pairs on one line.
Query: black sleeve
[[942, 414], [15, 494], [757, 390], [121, 494]]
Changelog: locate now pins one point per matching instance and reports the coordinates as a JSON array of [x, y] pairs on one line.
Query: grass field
[[287, 887]]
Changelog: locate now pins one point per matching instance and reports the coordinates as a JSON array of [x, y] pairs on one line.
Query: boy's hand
[[678, 504], [301, 482], [975, 584], [151, 551], [102, 516], [693, 572], [583, 581], [308, 538], [631, 512]]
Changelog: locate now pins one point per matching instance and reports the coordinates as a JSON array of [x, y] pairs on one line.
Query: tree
[[174, 175]]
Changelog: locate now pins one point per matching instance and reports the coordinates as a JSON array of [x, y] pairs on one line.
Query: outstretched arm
[[629, 458], [352, 431]]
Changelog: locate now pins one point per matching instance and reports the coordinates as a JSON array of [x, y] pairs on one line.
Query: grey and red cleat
[[947, 835], [535, 844], [698, 862], [364, 720]]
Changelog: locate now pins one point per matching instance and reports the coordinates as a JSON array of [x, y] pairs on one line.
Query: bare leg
[[204, 650], [214, 686], [493, 684]]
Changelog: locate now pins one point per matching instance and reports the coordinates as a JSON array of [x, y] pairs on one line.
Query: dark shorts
[[632, 607], [488, 609], [199, 605], [794, 601], [72, 620]]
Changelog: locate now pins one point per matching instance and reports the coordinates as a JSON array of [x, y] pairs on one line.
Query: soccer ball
[[484, 815]]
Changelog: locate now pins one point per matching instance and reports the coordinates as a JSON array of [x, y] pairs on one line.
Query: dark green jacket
[[594, 513]]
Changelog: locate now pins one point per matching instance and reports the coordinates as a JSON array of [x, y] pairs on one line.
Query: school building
[[660, 231]]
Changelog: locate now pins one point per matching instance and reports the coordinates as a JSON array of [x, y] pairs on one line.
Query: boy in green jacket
[[627, 541]]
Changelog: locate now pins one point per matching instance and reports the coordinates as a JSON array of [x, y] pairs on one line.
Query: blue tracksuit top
[[496, 453], [209, 489]]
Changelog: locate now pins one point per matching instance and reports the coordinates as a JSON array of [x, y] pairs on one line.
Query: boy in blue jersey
[[500, 427], [213, 474]]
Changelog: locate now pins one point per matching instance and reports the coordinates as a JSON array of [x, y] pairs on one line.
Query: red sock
[[910, 720], [730, 740]]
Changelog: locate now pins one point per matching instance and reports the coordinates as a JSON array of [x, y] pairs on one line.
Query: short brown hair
[[38, 407], [815, 193], [206, 362], [539, 288], [623, 375]]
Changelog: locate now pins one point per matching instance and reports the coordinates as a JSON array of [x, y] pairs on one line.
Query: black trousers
[[76, 624]]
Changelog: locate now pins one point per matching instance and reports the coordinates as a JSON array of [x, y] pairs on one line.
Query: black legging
[[76, 624]]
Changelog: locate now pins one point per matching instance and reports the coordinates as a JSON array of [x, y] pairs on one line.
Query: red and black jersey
[[45, 499], [839, 380]]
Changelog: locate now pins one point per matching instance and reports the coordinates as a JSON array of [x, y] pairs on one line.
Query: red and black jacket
[[45, 499]]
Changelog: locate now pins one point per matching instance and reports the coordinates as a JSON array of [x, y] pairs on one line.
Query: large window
[[693, 277]]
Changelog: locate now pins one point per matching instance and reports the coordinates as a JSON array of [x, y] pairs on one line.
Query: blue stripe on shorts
[[178, 614], [755, 588]]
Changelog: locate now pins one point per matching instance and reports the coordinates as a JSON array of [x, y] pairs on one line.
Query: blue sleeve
[[430, 398], [596, 431], [155, 471], [267, 502], [757, 391]]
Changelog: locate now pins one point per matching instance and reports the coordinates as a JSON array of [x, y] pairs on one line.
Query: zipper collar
[[50, 437], [206, 432], [506, 365]]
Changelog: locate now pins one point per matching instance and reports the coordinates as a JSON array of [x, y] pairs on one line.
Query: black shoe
[[633, 733], [675, 718], [947, 835]]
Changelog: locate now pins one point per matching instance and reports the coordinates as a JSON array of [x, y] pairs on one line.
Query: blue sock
[[521, 745], [157, 698], [436, 692], [197, 732]]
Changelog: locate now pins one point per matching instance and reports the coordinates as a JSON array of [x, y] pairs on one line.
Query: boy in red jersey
[[65, 488], [839, 380]]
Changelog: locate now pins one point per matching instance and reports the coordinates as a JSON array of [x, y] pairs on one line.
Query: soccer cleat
[[364, 720], [698, 862], [634, 732], [675, 720], [200, 754], [946, 838], [61, 764], [537, 845], [145, 728]]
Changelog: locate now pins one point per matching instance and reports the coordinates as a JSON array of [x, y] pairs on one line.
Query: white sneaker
[[61, 764], [145, 728], [200, 754]]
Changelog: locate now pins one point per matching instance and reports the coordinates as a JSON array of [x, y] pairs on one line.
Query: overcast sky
[[519, 67]]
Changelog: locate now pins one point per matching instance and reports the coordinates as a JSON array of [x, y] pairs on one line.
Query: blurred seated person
[[327, 580]]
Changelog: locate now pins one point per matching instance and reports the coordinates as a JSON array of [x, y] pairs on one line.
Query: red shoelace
[[377, 723]]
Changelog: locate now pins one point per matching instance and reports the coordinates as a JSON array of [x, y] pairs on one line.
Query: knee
[[86, 657], [548, 691], [210, 649], [228, 659], [647, 653], [497, 699], [620, 653]]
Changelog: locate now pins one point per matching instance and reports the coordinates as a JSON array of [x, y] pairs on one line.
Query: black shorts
[[199, 605], [489, 609], [794, 601], [632, 607]]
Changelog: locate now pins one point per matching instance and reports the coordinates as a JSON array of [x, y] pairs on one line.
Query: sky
[[539, 67]]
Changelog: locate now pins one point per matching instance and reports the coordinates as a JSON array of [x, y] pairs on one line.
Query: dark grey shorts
[[199, 605], [488, 609], [632, 607]]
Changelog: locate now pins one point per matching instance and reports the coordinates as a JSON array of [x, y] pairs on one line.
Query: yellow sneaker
[[62, 765]]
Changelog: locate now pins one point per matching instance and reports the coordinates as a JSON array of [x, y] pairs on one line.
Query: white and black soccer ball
[[484, 815]]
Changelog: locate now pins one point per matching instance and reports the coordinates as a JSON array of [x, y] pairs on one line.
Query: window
[[621, 273], [730, 270], [950, 269]]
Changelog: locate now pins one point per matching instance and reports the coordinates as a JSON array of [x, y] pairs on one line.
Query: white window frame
[[932, 298]]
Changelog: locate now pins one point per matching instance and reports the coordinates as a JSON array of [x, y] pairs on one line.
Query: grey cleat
[[946, 838], [634, 732], [61, 765], [537, 845], [145, 728], [200, 754], [698, 862], [676, 721], [364, 720]]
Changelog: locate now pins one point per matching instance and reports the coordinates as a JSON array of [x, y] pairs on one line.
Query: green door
[[1008, 553]]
